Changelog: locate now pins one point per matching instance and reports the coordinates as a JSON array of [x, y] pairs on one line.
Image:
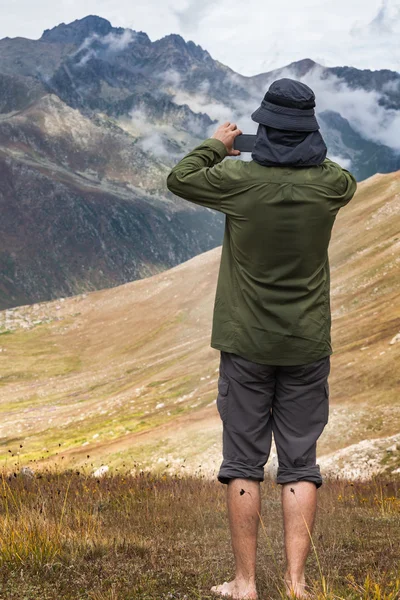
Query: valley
[[125, 377]]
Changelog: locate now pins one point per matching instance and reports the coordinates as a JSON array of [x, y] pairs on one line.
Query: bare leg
[[298, 507], [243, 511]]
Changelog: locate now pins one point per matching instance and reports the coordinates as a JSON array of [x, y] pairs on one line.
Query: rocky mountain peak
[[174, 41], [302, 67], [77, 31]]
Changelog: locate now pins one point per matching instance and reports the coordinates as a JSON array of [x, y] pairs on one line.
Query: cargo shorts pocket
[[222, 398]]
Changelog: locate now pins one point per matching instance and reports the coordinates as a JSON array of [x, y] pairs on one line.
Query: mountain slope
[[76, 219], [83, 197], [127, 375]]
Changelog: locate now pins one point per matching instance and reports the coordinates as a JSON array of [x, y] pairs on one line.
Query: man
[[272, 318]]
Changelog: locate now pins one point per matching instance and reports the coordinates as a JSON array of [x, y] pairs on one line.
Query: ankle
[[245, 580], [295, 578]]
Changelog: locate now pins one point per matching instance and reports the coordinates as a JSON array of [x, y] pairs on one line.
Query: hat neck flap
[[275, 147]]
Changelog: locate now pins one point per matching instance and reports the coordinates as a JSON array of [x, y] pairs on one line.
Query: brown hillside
[[126, 376]]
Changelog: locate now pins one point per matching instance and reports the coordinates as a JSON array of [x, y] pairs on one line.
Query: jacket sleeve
[[198, 176], [343, 188]]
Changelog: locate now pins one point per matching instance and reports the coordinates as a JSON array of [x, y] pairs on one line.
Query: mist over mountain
[[92, 117]]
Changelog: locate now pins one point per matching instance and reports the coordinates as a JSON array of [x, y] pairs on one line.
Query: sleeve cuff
[[216, 145]]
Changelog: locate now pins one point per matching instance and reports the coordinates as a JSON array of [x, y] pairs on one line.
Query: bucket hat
[[288, 105]]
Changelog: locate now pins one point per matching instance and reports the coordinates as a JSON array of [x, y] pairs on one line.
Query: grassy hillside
[[69, 536], [126, 376]]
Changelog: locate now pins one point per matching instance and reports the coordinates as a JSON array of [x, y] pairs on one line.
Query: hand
[[226, 134]]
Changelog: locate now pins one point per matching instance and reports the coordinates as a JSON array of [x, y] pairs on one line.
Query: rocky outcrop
[[364, 460]]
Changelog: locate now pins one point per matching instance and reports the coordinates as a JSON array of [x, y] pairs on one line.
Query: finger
[[237, 132], [226, 124], [232, 126]]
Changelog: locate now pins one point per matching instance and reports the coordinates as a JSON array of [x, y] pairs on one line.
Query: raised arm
[[198, 177]]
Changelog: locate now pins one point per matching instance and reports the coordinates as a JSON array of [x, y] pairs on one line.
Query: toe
[[220, 589]]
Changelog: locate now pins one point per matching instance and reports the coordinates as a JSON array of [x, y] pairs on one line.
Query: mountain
[[76, 219], [83, 198], [345, 144], [92, 117], [77, 32], [126, 375]]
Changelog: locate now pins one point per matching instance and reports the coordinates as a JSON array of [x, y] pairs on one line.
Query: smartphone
[[244, 142]]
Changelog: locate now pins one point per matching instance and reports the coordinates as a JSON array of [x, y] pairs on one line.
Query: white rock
[[362, 460], [27, 472], [395, 339], [101, 471], [392, 448]]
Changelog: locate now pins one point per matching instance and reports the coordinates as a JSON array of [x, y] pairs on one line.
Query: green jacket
[[272, 304]]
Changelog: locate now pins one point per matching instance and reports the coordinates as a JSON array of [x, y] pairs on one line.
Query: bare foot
[[237, 590], [296, 590]]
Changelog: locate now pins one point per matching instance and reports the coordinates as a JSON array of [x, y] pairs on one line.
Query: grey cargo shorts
[[256, 401]]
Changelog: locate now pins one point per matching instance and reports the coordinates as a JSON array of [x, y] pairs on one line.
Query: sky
[[251, 36]]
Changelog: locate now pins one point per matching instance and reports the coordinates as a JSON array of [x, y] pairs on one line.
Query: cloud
[[386, 20], [86, 56], [172, 78], [95, 44], [345, 163], [251, 37], [161, 140], [190, 17], [391, 87], [203, 101], [200, 103], [154, 143], [361, 108], [118, 43]]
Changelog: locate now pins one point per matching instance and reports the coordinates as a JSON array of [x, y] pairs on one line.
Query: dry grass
[[70, 536]]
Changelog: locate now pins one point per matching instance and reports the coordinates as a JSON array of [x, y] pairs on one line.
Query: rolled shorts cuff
[[311, 473], [234, 469]]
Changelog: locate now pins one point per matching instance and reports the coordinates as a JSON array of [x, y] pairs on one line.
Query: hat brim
[[288, 119]]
